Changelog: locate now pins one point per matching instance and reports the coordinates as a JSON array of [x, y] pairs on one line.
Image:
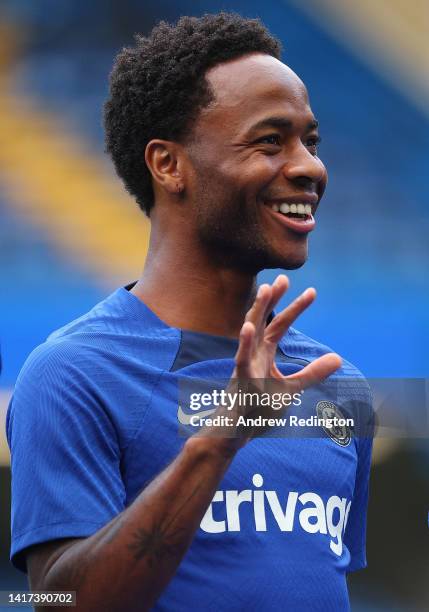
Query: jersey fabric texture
[[94, 417]]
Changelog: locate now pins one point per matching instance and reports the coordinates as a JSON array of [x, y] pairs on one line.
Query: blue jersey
[[94, 417]]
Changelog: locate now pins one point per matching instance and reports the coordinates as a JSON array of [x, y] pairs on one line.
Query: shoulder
[[118, 347], [108, 316], [117, 331], [54, 383], [297, 344], [348, 385]]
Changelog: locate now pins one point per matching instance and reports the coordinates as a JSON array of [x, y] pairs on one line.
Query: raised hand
[[255, 369], [255, 357]]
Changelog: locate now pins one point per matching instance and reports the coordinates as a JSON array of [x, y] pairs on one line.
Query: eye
[[313, 142], [271, 139]]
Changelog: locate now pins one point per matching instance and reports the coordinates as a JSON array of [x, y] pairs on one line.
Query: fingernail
[[307, 292]]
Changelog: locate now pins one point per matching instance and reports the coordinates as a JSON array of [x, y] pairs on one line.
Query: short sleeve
[[355, 533], [65, 456]]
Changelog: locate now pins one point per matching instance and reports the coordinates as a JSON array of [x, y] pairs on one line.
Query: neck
[[183, 287]]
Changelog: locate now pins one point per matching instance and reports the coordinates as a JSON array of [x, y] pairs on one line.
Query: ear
[[164, 160]]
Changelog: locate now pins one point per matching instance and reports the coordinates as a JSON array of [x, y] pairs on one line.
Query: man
[[215, 138]]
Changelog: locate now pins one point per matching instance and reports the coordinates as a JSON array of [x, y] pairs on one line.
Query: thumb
[[315, 372]]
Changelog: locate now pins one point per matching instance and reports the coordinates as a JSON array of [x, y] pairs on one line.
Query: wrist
[[213, 447]]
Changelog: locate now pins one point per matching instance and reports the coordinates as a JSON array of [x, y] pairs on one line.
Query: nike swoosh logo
[[185, 419]]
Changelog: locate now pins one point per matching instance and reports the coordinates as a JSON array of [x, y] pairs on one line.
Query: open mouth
[[297, 211], [297, 216]]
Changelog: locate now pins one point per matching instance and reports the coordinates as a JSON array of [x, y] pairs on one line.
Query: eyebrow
[[282, 123]]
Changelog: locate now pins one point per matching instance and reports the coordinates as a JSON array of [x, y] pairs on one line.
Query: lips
[[297, 216]]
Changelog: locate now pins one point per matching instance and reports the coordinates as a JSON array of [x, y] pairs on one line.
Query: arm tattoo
[[155, 545]]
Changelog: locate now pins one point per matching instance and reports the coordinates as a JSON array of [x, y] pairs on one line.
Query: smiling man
[[259, 118], [215, 138]]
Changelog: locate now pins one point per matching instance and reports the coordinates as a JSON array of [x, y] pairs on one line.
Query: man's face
[[253, 150]]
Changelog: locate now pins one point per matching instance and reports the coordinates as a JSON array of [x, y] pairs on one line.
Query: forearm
[[127, 563]]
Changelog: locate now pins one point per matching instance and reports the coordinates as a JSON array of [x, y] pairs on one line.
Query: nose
[[305, 169]]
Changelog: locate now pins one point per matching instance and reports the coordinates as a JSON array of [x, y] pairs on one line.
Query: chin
[[290, 261], [273, 263], [282, 264], [293, 264]]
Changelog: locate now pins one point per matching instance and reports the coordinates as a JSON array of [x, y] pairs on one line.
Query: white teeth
[[301, 209]]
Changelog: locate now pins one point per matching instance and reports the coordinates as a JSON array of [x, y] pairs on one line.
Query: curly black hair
[[158, 87]]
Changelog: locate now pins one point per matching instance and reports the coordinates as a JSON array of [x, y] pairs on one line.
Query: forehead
[[248, 88]]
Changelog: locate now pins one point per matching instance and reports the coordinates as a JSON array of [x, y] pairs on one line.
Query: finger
[[256, 314], [315, 372], [282, 321], [279, 288], [244, 351], [275, 372], [264, 302]]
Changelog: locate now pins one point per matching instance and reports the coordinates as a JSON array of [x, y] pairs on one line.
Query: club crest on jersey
[[339, 433]]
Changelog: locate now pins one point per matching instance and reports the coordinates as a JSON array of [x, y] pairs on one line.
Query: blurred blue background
[[69, 234]]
